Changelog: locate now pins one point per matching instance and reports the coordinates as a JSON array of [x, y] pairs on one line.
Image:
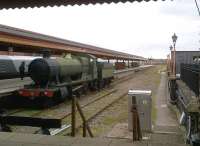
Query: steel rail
[[91, 102], [100, 111]]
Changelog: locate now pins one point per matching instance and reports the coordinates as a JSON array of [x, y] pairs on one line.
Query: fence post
[[73, 132], [84, 129], [83, 118]]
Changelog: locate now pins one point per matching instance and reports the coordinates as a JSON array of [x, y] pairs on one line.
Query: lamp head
[[174, 38]]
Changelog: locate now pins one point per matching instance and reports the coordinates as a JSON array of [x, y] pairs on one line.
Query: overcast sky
[[143, 29]]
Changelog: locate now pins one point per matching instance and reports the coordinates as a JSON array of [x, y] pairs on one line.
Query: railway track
[[90, 103], [95, 114], [92, 111], [60, 111], [63, 110], [64, 107], [83, 105]]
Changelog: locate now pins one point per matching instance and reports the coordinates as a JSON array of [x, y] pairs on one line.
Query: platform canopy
[[31, 42], [45, 3]]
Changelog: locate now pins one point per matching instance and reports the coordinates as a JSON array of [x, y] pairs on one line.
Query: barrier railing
[[190, 74]]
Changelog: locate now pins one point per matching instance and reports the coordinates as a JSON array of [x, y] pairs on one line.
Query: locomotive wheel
[[85, 88], [100, 85], [93, 85], [103, 83], [109, 82], [106, 82]]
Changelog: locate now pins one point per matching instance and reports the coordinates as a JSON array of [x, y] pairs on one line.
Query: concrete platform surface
[[11, 83], [18, 139]]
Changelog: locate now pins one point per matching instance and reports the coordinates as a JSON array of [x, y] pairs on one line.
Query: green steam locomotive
[[55, 78]]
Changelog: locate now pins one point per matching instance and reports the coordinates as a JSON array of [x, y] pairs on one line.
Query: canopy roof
[[27, 41], [44, 3]]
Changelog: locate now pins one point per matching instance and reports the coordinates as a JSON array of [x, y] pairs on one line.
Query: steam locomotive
[[55, 78]]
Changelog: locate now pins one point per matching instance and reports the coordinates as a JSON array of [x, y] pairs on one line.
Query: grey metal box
[[144, 104]]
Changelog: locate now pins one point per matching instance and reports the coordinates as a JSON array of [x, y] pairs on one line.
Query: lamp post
[[174, 39], [170, 62]]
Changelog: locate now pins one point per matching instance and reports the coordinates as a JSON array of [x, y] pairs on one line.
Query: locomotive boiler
[[46, 71]]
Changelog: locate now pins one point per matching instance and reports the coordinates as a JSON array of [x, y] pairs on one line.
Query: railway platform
[[10, 85], [131, 69], [18, 139], [128, 71]]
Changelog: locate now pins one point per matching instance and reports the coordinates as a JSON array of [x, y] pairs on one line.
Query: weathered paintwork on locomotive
[[105, 70], [93, 69], [69, 66]]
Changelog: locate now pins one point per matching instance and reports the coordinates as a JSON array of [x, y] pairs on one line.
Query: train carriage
[[9, 65]]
